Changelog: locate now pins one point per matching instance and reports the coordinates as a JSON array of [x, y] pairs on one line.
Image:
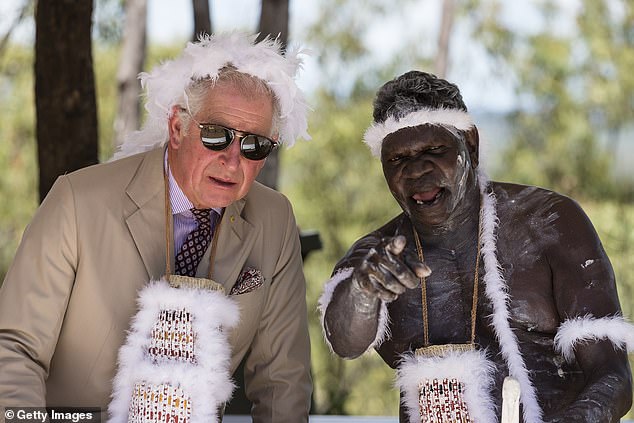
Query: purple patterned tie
[[196, 243]]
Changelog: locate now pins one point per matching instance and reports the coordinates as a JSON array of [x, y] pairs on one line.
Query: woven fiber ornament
[[174, 365], [447, 389]]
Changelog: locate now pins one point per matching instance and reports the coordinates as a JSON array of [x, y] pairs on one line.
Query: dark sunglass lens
[[255, 147], [214, 137]]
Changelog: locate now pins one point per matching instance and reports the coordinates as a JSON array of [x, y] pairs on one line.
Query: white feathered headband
[[377, 132], [165, 85]]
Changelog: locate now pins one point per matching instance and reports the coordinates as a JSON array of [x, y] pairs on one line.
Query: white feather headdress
[[165, 85]]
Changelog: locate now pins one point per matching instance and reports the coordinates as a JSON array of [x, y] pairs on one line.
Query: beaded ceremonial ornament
[[446, 383], [174, 366]]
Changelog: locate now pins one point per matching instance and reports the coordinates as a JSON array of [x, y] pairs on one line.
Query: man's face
[[218, 178], [428, 170]]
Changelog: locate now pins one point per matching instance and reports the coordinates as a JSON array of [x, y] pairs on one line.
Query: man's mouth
[[428, 198], [222, 182]]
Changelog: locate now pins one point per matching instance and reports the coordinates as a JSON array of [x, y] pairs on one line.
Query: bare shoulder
[[546, 214], [535, 202]]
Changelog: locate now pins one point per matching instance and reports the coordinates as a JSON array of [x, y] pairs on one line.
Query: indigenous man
[[476, 280]]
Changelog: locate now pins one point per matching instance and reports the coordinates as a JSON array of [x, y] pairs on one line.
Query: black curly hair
[[413, 91]]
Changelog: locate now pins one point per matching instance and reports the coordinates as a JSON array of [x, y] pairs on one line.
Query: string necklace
[[179, 280], [441, 350]]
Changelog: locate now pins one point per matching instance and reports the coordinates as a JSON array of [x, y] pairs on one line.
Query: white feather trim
[[496, 291], [383, 330], [208, 381], [377, 132], [165, 84], [471, 368], [588, 329]]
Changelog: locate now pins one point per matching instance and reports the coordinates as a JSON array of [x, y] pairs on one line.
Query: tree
[[202, 18], [441, 62], [274, 19], [130, 65], [66, 108]]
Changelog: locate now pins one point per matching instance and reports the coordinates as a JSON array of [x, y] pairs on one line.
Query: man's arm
[[374, 272], [584, 285], [34, 296], [277, 371]]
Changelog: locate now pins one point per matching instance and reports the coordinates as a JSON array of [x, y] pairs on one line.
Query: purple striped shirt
[[183, 219]]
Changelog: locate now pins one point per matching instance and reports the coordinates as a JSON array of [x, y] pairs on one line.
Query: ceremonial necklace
[[441, 350], [178, 280]]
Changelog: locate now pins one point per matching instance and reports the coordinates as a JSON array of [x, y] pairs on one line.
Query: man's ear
[[473, 145], [175, 127]]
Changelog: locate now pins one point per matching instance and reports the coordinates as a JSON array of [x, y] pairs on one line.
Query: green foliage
[[576, 94], [18, 153], [614, 223], [106, 59]]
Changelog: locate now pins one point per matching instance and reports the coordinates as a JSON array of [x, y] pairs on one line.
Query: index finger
[[396, 245]]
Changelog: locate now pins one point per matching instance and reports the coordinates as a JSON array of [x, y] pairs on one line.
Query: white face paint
[[463, 164]]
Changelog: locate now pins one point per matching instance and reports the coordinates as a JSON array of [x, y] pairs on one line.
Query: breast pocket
[[251, 306]]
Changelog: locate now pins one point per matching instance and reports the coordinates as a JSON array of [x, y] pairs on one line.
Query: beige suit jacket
[[98, 238]]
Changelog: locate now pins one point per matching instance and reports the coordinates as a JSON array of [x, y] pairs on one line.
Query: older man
[[103, 232], [476, 280]]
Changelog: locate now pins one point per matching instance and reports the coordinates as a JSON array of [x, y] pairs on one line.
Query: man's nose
[[419, 167], [231, 155]]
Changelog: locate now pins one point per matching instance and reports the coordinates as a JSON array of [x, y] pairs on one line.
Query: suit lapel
[[236, 237], [146, 218]]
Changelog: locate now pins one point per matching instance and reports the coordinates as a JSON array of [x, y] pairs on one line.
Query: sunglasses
[[217, 137], [253, 147]]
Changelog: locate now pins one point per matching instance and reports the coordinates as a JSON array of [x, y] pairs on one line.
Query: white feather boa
[[471, 368], [383, 330], [208, 381], [496, 290], [588, 328]]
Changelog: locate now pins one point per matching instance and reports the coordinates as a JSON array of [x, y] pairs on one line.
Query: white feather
[[496, 291], [377, 132], [588, 329]]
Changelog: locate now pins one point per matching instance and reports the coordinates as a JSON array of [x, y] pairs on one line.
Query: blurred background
[[550, 85]]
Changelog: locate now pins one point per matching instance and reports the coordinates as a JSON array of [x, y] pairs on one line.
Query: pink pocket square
[[249, 280]]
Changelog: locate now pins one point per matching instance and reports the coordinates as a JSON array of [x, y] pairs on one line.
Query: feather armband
[[383, 330], [579, 330]]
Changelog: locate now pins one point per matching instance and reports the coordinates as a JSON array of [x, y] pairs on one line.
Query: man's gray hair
[[196, 93], [167, 85]]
